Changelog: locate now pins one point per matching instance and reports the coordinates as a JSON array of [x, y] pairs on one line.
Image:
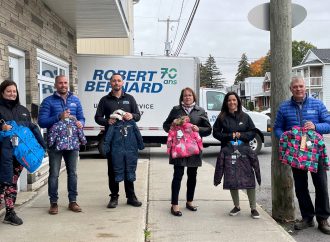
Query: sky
[[220, 28]]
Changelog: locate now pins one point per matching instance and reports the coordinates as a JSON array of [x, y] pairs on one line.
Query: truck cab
[[212, 99]]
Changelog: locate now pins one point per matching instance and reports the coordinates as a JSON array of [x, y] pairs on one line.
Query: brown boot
[[324, 226], [73, 206], [53, 209]]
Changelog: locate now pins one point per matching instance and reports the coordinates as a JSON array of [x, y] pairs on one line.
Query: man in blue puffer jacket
[[60, 106], [309, 113]]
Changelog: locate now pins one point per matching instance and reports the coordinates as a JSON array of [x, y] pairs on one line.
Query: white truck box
[[155, 83]]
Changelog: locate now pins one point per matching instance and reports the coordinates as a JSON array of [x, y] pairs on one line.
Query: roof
[[263, 94], [94, 19], [322, 54]]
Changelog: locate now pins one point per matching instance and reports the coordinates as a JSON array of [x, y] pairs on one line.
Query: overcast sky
[[221, 28]]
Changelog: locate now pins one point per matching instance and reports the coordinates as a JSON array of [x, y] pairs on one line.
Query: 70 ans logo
[[169, 75]]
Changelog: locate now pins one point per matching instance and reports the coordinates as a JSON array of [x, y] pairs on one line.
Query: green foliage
[[299, 50], [210, 74], [266, 64], [243, 70], [250, 106]]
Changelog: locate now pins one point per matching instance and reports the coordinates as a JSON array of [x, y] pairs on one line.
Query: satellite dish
[[259, 15]]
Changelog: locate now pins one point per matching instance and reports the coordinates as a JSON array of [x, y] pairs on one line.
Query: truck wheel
[[256, 144], [100, 148]]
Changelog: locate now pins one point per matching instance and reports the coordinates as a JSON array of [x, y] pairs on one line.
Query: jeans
[[55, 158], [176, 183], [320, 181]]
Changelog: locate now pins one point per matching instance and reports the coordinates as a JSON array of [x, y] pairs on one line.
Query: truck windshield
[[214, 100]]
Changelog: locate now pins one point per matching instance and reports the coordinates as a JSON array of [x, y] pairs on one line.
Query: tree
[[210, 74], [243, 70], [256, 67], [299, 50], [266, 64]]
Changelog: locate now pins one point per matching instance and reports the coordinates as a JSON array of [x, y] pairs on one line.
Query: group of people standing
[[233, 128]]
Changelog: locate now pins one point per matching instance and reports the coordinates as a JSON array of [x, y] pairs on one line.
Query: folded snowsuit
[[239, 168], [65, 135], [306, 158], [29, 152], [123, 139], [182, 141]]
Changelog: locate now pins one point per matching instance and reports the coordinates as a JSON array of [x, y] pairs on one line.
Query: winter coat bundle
[[303, 149], [240, 167], [122, 141], [65, 135], [24, 145], [182, 141]]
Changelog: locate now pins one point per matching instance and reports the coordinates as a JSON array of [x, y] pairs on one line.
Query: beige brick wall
[[28, 25]]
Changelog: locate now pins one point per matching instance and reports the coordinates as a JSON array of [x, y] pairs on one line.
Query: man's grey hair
[[296, 78]]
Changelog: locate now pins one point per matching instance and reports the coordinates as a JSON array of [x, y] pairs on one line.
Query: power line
[[185, 32], [177, 28]]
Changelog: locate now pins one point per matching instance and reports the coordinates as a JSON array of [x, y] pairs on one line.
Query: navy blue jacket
[[52, 107], [122, 141], [290, 114]]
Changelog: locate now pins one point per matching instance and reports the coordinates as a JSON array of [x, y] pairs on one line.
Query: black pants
[[176, 183], [322, 210], [114, 186]]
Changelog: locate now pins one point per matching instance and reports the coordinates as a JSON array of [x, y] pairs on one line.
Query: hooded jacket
[[239, 170]]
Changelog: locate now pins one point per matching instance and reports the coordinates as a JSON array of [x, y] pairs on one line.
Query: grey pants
[[251, 195]]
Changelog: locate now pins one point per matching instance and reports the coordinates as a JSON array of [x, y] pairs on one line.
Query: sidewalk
[[125, 223]]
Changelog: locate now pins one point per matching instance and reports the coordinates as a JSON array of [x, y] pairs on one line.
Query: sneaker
[[113, 202], [324, 226], [74, 207], [53, 209], [134, 202], [12, 218], [255, 214], [234, 211], [304, 224]]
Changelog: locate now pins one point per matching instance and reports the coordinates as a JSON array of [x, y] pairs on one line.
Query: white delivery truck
[[155, 83]]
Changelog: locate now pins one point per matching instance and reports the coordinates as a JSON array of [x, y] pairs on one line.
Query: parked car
[[267, 112]]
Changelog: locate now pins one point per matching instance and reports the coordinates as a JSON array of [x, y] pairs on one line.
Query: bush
[[250, 106]]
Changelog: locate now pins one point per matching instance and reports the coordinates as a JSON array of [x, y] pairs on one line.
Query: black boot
[[12, 218], [134, 202], [113, 201]]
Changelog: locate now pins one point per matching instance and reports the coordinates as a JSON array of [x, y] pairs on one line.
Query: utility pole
[[283, 208], [167, 42]]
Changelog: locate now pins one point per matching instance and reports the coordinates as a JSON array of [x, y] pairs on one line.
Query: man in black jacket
[[117, 99]]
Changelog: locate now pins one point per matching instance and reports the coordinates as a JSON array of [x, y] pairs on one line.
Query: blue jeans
[[55, 158]]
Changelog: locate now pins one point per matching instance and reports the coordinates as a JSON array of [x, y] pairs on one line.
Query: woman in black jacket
[[234, 128], [199, 119], [10, 169]]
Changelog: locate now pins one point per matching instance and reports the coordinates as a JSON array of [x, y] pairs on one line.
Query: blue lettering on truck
[[139, 81]]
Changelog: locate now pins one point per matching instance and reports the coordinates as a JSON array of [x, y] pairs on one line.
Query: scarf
[[188, 108]]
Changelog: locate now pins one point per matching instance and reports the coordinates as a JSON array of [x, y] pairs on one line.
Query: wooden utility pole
[[283, 208]]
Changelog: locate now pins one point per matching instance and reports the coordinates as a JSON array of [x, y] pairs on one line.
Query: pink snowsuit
[[182, 141]]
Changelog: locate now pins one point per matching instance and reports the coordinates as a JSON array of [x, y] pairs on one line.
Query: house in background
[[315, 68], [262, 99], [251, 87]]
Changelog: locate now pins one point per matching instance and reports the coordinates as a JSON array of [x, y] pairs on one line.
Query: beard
[[62, 91], [116, 88]]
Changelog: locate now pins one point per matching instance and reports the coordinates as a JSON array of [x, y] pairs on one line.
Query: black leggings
[[176, 183]]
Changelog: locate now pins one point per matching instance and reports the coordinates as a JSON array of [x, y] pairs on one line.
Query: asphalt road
[[264, 193]]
